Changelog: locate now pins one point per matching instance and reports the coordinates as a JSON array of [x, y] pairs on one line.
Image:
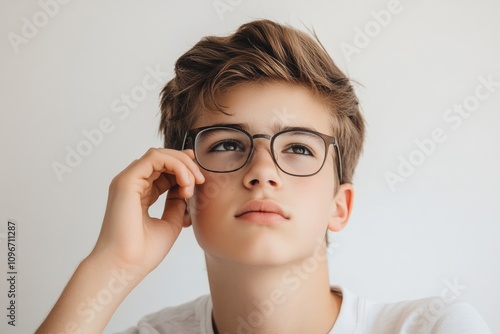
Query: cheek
[[315, 198], [209, 196], [319, 187], [209, 210], [315, 205], [204, 211]]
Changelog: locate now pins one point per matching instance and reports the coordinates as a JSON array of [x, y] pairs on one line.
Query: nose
[[261, 170]]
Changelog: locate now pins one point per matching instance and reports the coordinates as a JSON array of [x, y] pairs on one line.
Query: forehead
[[265, 107]]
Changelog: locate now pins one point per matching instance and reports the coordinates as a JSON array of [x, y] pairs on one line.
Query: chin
[[255, 252]]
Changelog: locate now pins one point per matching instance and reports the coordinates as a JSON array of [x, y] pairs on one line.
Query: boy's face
[[309, 205]]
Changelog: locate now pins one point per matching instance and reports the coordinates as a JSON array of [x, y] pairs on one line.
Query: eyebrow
[[240, 126], [276, 128]]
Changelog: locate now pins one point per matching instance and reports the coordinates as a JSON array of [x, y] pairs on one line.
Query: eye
[[298, 149], [227, 145]]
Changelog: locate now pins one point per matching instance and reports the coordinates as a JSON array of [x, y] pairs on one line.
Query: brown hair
[[261, 50]]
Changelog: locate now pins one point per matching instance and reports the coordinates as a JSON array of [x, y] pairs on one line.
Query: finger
[[195, 169], [163, 183], [175, 208], [188, 158], [189, 152], [157, 161], [186, 171], [166, 181], [178, 163]]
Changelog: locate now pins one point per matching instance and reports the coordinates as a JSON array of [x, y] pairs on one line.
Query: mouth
[[262, 211]]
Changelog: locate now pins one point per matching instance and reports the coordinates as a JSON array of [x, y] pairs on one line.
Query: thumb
[[175, 208]]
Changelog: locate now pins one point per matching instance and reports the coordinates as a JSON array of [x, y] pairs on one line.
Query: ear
[[341, 207]]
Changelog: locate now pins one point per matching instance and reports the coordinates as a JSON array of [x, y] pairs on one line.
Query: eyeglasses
[[224, 149]]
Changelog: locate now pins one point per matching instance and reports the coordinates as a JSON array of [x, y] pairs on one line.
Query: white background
[[441, 223]]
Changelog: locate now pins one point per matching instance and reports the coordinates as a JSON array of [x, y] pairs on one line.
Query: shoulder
[[430, 315], [467, 317], [190, 317], [427, 315]]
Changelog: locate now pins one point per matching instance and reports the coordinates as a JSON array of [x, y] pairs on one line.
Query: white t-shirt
[[437, 315]]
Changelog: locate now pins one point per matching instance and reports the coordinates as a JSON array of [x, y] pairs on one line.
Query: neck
[[272, 299]]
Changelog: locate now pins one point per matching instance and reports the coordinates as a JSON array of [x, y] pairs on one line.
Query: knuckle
[[115, 182], [152, 152]]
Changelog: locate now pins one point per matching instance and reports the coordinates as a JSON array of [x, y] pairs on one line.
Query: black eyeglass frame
[[328, 140]]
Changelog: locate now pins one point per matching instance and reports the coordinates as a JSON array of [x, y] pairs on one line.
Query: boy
[[262, 135]]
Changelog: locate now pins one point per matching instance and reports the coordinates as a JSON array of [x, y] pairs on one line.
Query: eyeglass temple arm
[[184, 141], [336, 145]]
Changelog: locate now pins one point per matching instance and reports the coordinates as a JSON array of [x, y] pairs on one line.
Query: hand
[[129, 236]]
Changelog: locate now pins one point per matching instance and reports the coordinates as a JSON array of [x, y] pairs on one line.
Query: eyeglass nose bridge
[[264, 136], [261, 135]]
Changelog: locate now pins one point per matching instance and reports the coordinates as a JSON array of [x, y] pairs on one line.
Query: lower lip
[[263, 218]]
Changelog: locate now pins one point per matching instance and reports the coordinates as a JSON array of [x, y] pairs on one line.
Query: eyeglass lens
[[226, 149]]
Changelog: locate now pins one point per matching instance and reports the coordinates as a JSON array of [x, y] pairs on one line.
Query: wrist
[[91, 297], [112, 267]]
